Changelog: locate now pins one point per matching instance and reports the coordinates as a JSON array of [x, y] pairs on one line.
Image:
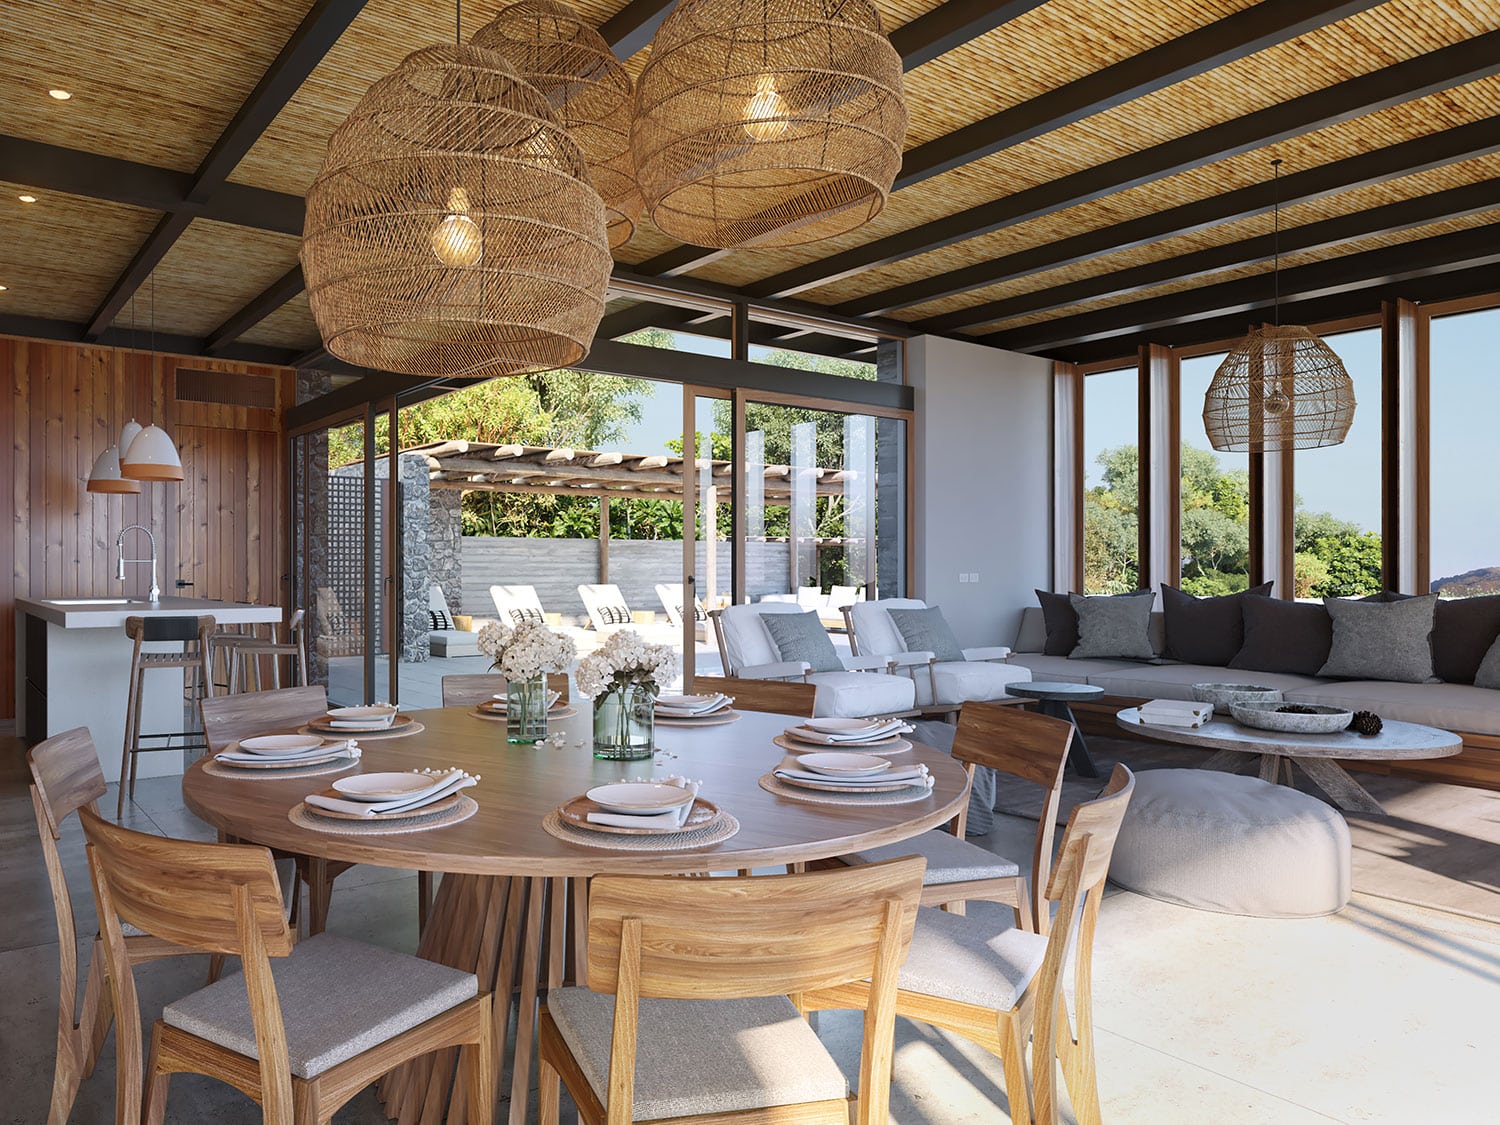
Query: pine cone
[[1365, 722]]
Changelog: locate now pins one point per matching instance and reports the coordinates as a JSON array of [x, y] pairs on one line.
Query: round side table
[[1054, 699]]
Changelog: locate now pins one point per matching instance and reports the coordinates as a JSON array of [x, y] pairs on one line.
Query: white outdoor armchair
[[941, 685], [862, 688]]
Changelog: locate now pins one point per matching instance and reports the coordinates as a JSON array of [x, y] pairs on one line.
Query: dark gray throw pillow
[[927, 630], [1488, 675], [1206, 630], [801, 636], [1284, 637], [1061, 620], [1113, 628], [1463, 632], [1382, 640]]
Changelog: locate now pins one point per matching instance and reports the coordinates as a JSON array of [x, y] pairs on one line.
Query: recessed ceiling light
[[3, 288], [27, 198], [60, 95]]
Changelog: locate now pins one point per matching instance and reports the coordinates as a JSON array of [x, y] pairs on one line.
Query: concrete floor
[[1384, 1012]]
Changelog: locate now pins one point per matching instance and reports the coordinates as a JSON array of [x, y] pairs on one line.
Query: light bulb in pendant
[[457, 240], [1275, 404], [765, 111]]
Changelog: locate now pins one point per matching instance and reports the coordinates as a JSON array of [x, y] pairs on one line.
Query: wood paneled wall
[[222, 528]]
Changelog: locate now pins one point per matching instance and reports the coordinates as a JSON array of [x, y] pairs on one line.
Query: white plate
[[841, 726], [280, 745], [383, 786], [644, 797], [843, 764], [553, 697], [379, 713], [686, 702]]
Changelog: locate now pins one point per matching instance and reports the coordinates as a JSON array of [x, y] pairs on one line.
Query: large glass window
[[1336, 527], [1464, 543], [1214, 520], [1111, 478]]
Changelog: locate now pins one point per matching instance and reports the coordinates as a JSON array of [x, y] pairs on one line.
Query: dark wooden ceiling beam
[[1407, 261], [1404, 81], [1390, 218], [140, 339], [278, 293], [314, 37], [631, 28]]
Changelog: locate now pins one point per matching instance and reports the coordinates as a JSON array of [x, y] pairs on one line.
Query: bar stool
[[195, 633], [245, 652]]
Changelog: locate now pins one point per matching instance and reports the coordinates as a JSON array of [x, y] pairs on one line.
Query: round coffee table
[[1314, 754], [1054, 699]]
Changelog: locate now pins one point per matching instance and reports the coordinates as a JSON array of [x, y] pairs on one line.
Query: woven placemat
[[366, 735], [772, 784], [303, 817], [714, 832], [214, 769], [560, 713]]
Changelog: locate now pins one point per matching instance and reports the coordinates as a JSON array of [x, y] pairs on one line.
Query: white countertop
[[110, 613]]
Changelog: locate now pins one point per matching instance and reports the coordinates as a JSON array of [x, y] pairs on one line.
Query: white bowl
[[644, 797], [841, 726], [383, 786], [844, 764], [1264, 716], [280, 745]]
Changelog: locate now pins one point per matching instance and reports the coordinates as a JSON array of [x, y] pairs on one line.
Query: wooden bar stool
[[195, 633], [244, 653]]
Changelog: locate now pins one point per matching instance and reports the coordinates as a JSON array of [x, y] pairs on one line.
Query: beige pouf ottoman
[[1236, 845]]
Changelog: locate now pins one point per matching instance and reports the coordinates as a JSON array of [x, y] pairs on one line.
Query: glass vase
[[625, 723], [526, 710]]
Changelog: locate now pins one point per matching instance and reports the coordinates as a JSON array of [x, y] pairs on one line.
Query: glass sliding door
[[708, 555]]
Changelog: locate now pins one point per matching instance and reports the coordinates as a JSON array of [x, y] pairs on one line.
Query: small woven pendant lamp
[[1281, 387], [571, 65], [768, 122], [452, 230]]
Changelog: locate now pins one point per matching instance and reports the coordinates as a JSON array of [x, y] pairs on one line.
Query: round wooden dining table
[[512, 906]]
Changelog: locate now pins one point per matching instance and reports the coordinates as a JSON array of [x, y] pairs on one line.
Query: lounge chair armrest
[[866, 663], [910, 659], [988, 652], [781, 670]]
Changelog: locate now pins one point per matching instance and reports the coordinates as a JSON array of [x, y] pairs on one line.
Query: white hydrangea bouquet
[[524, 654], [623, 679]]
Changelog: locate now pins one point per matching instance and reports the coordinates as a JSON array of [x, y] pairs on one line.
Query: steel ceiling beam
[[278, 293], [631, 29], [1438, 70]]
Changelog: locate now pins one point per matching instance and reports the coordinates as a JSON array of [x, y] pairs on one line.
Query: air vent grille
[[225, 389]]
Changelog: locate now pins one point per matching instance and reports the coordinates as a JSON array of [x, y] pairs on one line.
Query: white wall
[[982, 505]]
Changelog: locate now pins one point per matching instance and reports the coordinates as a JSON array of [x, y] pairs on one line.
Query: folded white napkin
[[833, 738], [359, 724], [673, 818], [677, 705], [442, 786], [349, 747], [913, 775]]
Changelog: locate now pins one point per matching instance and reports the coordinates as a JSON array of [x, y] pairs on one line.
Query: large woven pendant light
[[453, 229], [768, 122], [571, 65], [1281, 387]]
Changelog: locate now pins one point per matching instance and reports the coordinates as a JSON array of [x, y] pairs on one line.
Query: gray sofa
[[1462, 708]]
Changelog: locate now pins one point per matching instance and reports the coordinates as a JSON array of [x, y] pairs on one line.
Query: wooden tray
[[891, 787], [896, 745], [576, 813], [448, 802], [717, 719]]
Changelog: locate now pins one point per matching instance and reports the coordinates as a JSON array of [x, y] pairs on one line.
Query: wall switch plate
[[974, 576], [962, 577]]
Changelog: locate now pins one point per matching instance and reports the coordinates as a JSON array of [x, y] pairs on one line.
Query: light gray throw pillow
[[1382, 640], [801, 636], [927, 630], [1489, 668], [1112, 628]]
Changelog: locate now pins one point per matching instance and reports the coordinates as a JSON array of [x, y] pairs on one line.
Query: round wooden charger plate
[[284, 764], [796, 746], [892, 787], [411, 726], [717, 719], [497, 715], [226, 770], [449, 802], [576, 812]]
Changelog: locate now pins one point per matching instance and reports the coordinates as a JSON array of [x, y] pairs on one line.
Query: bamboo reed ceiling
[[1007, 156]]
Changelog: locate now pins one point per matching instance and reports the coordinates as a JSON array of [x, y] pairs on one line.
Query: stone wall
[[445, 545], [416, 556]]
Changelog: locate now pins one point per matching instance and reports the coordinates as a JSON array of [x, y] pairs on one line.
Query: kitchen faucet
[[155, 594]]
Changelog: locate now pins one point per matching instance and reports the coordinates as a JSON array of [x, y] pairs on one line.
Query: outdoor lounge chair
[[861, 688], [673, 601], [608, 612], [941, 685], [444, 638]]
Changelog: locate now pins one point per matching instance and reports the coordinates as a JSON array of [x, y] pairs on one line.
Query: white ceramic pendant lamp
[[142, 452]]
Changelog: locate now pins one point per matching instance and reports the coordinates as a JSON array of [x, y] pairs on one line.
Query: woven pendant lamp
[[571, 65], [452, 230], [768, 122], [1281, 387]]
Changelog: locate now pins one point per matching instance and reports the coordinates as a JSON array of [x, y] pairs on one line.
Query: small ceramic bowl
[[1264, 716], [1225, 695]]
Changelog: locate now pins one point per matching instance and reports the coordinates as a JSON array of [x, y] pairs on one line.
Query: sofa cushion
[[1115, 627], [1206, 630], [1463, 630], [453, 642], [1284, 636], [801, 636], [1032, 635], [1382, 640], [1488, 675], [858, 695], [1455, 707], [1061, 669], [1061, 619], [1175, 681], [927, 630]]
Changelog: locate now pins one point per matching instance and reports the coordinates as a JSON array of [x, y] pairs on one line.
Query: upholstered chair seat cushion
[[338, 998], [960, 681], [959, 957], [949, 859], [701, 1056], [858, 695]]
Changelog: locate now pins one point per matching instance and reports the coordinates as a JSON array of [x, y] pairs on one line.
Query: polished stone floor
[[1383, 1013]]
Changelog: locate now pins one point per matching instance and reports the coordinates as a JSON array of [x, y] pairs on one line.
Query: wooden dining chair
[[335, 1016], [999, 988], [472, 690], [782, 697], [1008, 740], [695, 990], [65, 777]]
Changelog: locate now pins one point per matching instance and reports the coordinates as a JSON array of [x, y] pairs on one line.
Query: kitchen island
[[73, 664]]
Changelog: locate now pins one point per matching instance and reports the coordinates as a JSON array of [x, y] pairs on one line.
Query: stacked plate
[[374, 719], [845, 772], [285, 751], [838, 734], [639, 808], [557, 707], [705, 709], [389, 796]]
